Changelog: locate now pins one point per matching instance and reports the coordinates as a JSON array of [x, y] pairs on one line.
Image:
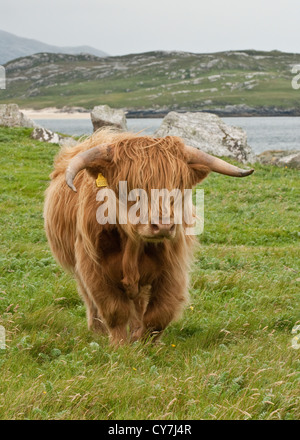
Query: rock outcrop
[[68, 142], [103, 116], [11, 116], [44, 135], [209, 133], [281, 158]]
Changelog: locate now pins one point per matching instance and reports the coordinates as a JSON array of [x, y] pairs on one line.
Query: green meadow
[[231, 356]]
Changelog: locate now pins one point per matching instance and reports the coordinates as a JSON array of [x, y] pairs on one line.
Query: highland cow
[[133, 278]]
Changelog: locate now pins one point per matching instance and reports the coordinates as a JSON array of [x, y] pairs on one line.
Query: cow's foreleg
[[131, 274], [168, 298], [112, 305], [140, 306], [115, 307], [95, 322]]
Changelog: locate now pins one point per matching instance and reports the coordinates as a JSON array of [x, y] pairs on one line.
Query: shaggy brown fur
[[124, 280]]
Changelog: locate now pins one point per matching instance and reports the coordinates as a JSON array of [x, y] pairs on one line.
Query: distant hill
[[12, 46], [151, 84]]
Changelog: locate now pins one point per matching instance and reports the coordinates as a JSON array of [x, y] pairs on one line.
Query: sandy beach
[[54, 113]]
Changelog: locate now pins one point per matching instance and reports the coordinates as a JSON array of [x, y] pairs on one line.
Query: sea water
[[263, 133]]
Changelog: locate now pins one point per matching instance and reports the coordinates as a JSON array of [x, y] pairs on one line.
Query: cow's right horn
[[215, 164], [85, 159]]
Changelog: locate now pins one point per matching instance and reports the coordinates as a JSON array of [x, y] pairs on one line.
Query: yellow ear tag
[[101, 181]]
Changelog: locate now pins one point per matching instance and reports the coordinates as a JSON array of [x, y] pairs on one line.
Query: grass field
[[229, 357]]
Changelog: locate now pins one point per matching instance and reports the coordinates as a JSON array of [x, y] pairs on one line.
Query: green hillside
[[251, 81]]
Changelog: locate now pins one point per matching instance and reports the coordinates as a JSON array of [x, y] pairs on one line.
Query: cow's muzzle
[[159, 231]]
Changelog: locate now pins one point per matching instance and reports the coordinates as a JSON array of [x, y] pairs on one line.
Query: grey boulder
[[11, 116], [209, 133], [44, 135], [290, 161], [103, 116], [281, 158]]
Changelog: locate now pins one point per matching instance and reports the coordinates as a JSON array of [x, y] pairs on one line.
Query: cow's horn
[[84, 159], [215, 164]]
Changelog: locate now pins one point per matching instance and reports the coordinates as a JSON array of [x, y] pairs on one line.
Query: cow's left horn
[[85, 159], [215, 164]]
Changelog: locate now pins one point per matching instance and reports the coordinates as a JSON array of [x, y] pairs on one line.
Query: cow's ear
[[95, 171], [101, 167], [198, 172]]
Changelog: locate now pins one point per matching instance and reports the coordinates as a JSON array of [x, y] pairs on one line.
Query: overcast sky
[[130, 26]]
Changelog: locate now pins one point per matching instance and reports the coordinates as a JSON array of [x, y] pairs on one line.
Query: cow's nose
[[162, 230]]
